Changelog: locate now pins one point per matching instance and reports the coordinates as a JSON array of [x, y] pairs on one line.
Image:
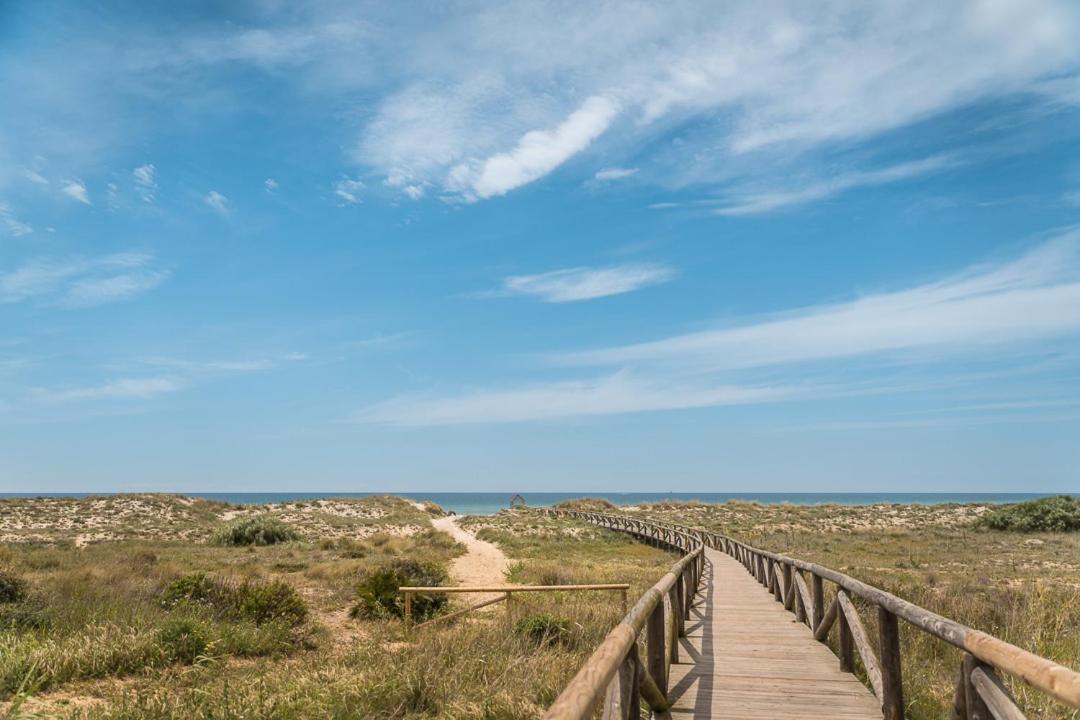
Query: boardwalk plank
[[746, 658]]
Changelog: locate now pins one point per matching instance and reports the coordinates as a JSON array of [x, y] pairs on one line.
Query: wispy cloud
[[270, 184], [81, 282], [613, 394], [145, 185], [1032, 298], [217, 202], [615, 173], [537, 153], [76, 190], [35, 177], [583, 283], [754, 203], [348, 190], [12, 224], [124, 388]]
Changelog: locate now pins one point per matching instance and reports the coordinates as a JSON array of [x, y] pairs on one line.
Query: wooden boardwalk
[[744, 657]]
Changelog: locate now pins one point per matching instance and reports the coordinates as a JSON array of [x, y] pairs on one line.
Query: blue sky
[[540, 246]]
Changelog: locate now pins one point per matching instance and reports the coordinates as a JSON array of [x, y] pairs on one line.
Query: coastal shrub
[[12, 588], [377, 593], [543, 629], [254, 601], [24, 616], [253, 530], [586, 505], [1050, 514], [183, 640]]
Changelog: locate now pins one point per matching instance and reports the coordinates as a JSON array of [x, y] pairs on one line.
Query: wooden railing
[[979, 695], [615, 677], [506, 594]]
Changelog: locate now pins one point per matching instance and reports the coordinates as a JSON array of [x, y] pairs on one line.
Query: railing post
[[789, 588], [672, 604], [680, 612], [800, 605], [818, 593], [619, 691], [655, 662], [974, 706], [847, 640], [892, 693], [408, 610]]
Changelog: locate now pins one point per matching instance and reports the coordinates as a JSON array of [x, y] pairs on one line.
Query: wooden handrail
[[613, 674], [1059, 682]]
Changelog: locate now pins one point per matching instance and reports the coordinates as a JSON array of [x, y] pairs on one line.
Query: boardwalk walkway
[[746, 657]]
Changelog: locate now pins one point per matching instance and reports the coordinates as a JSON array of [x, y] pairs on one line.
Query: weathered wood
[[821, 632], [804, 609], [959, 706], [634, 709], [673, 630], [619, 689], [994, 695], [974, 706], [656, 649], [458, 613], [846, 649], [862, 642], [818, 606], [892, 696], [510, 588], [789, 588]]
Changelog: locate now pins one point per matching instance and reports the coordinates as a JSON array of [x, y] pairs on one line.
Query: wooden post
[[619, 690], [680, 607], [973, 702], [408, 611], [800, 604], [510, 607], [847, 644], [818, 593], [634, 711], [959, 708], [656, 662], [673, 604], [892, 695], [623, 591], [777, 591], [789, 589]]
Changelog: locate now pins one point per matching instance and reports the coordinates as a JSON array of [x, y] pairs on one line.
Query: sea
[[488, 503]]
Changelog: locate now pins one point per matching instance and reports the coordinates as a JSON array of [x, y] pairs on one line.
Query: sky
[[540, 246]]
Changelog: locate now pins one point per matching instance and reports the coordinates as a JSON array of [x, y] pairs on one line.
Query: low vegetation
[[1052, 514], [377, 593], [254, 530]]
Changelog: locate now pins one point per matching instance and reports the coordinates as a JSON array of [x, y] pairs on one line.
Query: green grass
[[253, 530], [1052, 514]]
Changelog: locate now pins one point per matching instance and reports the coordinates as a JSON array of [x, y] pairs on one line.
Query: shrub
[[377, 593], [254, 530], [24, 616], [183, 640], [543, 629], [12, 588], [1050, 514], [253, 601]]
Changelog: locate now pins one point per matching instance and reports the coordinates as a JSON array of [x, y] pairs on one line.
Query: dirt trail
[[483, 564]]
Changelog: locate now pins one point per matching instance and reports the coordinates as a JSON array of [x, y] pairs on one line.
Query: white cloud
[[35, 177], [614, 394], [348, 190], [574, 284], [217, 201], [537, 153], [615, 173], [77, 190], [125, 388], [14, 226], [414, 192], [270, 184], [145, 185], [1033, 298], [756, 203], [81, 282]]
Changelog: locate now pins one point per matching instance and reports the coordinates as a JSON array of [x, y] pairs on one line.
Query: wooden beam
[[862, 643], [892, 697], [821, 632], [994, 695]]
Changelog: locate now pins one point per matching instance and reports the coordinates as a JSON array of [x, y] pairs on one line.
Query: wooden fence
[[615, 675], [506, 594], [980, 694]]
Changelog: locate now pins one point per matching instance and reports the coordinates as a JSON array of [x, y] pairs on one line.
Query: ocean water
[[486, 503]]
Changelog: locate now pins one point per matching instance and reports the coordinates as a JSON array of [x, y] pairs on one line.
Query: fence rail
[[979, 693]]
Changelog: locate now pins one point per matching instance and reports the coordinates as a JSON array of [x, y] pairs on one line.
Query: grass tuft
[[378, 596], [254, 530]]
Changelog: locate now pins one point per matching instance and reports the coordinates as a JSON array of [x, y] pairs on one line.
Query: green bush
[[1051, 514], [253, 601], [12, 588], [183, 640], [254, 530], [377, 593], [24, 616], [543, 629]]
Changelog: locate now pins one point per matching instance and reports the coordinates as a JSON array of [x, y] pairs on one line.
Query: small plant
[[254, 530], [12, 588], [1051, 514], [253, 601], [543, 629], [377, 594], [183, 640]]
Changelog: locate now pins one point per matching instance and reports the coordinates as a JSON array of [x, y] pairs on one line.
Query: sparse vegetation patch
[[254, 530], [377, 594], [1051, 514]]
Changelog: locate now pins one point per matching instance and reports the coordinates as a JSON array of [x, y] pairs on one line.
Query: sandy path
[[483, 564]]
